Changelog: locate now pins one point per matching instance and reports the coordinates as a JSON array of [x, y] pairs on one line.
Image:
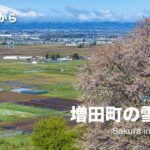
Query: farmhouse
[[34, 62], [17, 57], [67, 58]]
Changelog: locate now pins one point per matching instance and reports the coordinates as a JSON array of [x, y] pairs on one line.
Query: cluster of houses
[[67, 38], [36, 59]]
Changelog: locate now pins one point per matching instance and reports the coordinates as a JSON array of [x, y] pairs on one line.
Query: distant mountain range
[[67, 26]]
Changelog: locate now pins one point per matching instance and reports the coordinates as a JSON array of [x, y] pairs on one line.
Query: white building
[[17, 57], [67, 58], [5, 35], [34, 62], [71, 44]]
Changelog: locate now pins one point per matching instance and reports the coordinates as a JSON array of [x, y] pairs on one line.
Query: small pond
[[29, 91]]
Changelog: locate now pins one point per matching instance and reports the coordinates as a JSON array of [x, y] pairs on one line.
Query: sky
[[79, 10]]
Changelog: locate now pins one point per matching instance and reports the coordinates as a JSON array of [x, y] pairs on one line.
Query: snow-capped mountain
[[7, 10]]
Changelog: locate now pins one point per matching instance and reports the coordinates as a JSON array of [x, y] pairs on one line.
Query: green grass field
[[19, 142], [46, 76], [10, 112]]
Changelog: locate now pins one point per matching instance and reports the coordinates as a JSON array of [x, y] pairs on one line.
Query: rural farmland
[[22, 103]]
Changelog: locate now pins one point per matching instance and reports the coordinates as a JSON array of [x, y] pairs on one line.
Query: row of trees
[[53, 57], [83, 45], [75, 56]]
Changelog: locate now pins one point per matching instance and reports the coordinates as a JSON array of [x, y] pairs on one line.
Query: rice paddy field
[[47, 77], [41, 50], [12, 112], [19, 111]]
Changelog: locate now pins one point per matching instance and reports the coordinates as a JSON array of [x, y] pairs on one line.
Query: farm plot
[[16, 74], [22, 125], [7, 115], [18, 97], [60, 104], [16, 84], [27, 125], [10, 112], [29, 116], [41, 50]]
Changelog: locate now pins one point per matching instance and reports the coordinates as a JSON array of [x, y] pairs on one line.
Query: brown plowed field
[[28, 124], [18, 97], [52, 103], [61, 104]]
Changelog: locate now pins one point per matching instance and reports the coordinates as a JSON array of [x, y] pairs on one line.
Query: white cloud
[[6, 10], [78, 14], [91, 15], [75, 14]]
